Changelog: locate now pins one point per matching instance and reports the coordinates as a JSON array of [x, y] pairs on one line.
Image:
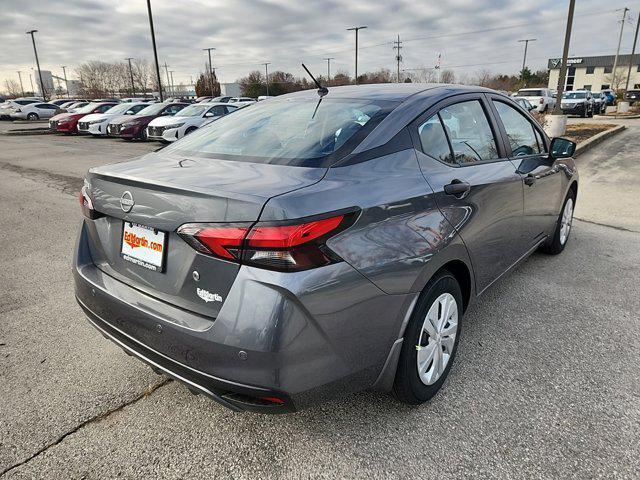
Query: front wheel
[[563, 227], [430, 341], [33, 116]]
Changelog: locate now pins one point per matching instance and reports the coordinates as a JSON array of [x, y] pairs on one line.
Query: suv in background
[[599, 102], [577, 102], [541, 98], [632, 96]]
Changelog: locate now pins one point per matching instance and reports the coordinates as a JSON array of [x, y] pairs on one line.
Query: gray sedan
[[322, 242]]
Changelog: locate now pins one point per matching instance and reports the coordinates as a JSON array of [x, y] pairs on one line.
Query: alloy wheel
[[437, 338], [566, 220]]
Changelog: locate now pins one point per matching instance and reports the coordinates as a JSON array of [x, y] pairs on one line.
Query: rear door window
[[520, 131], [468, 128], [434, 140]]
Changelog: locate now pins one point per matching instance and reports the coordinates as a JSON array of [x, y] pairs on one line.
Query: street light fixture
[[35, 51], [328, 59], [133, 87], [266, 75], [155, 51], [356, 29], [20, 78]]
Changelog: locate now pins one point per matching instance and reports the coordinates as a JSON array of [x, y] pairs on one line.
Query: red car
[[68, 122], [135, 126]]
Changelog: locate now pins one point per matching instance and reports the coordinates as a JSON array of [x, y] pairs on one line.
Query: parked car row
[[165, 122]]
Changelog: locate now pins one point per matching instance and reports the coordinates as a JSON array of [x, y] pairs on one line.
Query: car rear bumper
[[276, 336]]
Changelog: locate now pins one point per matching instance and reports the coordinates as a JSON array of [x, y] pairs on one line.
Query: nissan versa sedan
[[96, 124], [130, 127], [68, 122], [170, 129], [321, 242]]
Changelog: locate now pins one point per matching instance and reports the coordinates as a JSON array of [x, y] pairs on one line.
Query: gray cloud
[[286, 32]]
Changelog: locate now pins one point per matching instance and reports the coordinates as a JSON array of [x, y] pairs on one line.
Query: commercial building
[[596, 73]]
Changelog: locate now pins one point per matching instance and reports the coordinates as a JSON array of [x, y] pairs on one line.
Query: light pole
[[524, 59], [35, 51], [328, 59], [155, 51], [615, 61], [266, 75], [20, 78], [633, 52], [210, 69], [166, 71], [356, 29], [557, 110], [66, 83], [173, 90], [31, 80], [133, 87]]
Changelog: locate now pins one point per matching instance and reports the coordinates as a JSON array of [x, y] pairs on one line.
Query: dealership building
[[596, 73]]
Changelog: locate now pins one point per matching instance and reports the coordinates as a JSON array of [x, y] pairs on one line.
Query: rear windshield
[[152, 109], [308, 132], [530, 93], [574, 95]]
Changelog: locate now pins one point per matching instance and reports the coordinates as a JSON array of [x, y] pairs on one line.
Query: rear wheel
[[33, 116], [563, 227], [430, 341]]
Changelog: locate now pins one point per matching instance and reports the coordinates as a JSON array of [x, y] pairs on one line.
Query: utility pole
[[266, 75], [524, 60], [557, 110], [328, 59], [615, 62], [356, 29], [155, 51], [133, 87], [173, 89], [398, 47], [633, 52], [66, 83], [35, 51], [166, 71], [21, 87], [210, 70], [31, 80]]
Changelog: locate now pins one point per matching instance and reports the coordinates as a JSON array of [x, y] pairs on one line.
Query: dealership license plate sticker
[[143, 246]]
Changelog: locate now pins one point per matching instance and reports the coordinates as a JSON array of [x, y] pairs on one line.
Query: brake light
[[541, 101], [274, 246]]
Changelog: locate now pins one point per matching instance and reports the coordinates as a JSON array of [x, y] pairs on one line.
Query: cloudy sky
[[470, 34]]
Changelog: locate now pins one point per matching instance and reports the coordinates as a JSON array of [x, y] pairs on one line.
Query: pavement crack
[[66, 183], [623, 229], [87, 422]]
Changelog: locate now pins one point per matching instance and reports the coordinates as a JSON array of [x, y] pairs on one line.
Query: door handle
[[529, 180], [457, 188]]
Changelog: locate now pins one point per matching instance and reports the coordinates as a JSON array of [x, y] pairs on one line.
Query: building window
[[587, 87], [605, 86], [608, 69], [638, 67], [636, 86], [591, 70]]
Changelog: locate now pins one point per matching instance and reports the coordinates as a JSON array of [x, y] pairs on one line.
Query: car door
[[542, 182], [476, 187], [46, 110]]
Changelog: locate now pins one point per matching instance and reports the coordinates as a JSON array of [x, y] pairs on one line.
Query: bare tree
[[447, 76], [13, 88], [142, 73]]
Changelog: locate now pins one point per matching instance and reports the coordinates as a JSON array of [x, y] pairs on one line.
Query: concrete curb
[[28, 131], [616, 117], [596, 139]]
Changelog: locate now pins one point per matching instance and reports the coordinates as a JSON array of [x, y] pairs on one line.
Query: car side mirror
[[532, 108], [209, 115], [129, 112], [561, 148]]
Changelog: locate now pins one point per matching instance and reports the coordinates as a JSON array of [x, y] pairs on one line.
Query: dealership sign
[[555, 62]]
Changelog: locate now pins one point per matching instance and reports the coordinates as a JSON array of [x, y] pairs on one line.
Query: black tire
[[556, 245], [33, 116], [143, 134], [190, 130], [408, 387]]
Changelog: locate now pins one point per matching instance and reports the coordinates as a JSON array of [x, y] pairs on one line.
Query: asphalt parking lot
[[545, 384]]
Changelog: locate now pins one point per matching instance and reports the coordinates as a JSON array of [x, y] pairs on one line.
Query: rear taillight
[[85, 202], [541, 101], [290, 246]]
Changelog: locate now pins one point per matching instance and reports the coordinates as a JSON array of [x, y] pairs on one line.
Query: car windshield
[[574, 95], [530, 93], [301, 132], [90, 107], [120, 108], [153, 109], [193, 110]]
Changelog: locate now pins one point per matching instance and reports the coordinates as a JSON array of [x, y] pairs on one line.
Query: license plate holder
[[143, 246]]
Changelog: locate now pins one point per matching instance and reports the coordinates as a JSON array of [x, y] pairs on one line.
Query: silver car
[[318, 244]]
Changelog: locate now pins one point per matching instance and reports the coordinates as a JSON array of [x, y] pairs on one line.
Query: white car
[[541, 98], [10, 106], [170, 129], [242, 101], [34, 111], [96, 123]]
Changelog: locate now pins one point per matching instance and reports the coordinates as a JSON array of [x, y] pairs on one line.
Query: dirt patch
[[579, 132]]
